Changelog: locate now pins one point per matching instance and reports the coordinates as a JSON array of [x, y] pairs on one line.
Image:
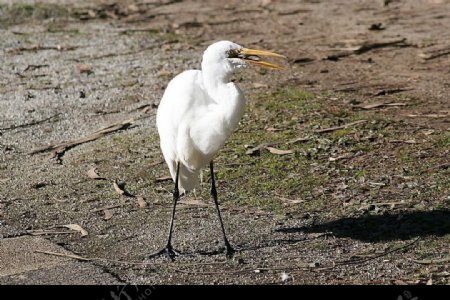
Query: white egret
[[198, 112]]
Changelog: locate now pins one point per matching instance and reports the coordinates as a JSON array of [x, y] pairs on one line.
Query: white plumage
[[197, 114]]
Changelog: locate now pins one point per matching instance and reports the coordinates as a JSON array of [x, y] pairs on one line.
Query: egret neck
[[227, 95]]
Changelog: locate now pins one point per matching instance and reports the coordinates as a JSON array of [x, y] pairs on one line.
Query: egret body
[[199, 110]]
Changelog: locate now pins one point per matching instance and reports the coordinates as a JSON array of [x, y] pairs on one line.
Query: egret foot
[[168, 251], [229, 250]]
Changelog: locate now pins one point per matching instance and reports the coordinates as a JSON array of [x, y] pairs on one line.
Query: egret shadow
[[378, 228]]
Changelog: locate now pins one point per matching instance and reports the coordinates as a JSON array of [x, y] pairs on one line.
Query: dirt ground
[[338, 173]]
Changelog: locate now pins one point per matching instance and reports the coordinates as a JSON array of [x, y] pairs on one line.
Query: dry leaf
[[141, 202], [279, 151], [296, 140], [164, 73], [108, 214], [290, 201], [76, 227], [273, 129], [91, 13], [412, 141], [337, 158], [83, 68], [148, 107], [133, 8], [428, 131], [118, 188], [253, 151], [258, 85], [256, 150], [92, 173]]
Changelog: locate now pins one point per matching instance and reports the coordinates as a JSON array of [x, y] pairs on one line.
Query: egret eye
[[233, 53]]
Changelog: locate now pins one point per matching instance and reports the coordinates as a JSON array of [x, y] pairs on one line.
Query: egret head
[[227, 57]]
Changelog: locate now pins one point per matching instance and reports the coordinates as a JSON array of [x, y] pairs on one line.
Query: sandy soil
[[363, 198]]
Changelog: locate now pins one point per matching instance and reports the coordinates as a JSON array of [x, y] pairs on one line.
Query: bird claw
[[168, 251], [230, 251]]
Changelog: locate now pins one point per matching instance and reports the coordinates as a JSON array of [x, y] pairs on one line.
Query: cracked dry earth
[[361, 196]]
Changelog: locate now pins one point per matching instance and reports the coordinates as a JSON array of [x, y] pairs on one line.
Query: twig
[[435, 54], [298, 140], [340, 127], [107, 207], [119, 187], [432, 261], [93, 258], [34, 67], [238, 164], [369, 46], [303, 60], [365, 47], [31, 123], [391, 91], [338, 55], [293, 12], [428, 116], [40, 47], [44, 88], [246, 270], [388, 203], [44, 232], [64, 255], [361, 261], [404, 141], [60, 148], [143, 29], [288, 200], [376, 105], [439, 166], [155, 163], [203, 264], [164, 178], [144, 108]]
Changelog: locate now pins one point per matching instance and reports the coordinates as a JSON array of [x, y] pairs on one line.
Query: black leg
[[168, 249], [229, 249]]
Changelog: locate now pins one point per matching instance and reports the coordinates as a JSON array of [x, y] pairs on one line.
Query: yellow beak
[[246, 54]]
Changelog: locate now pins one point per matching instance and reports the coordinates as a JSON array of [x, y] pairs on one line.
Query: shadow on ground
[[371, 228]]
